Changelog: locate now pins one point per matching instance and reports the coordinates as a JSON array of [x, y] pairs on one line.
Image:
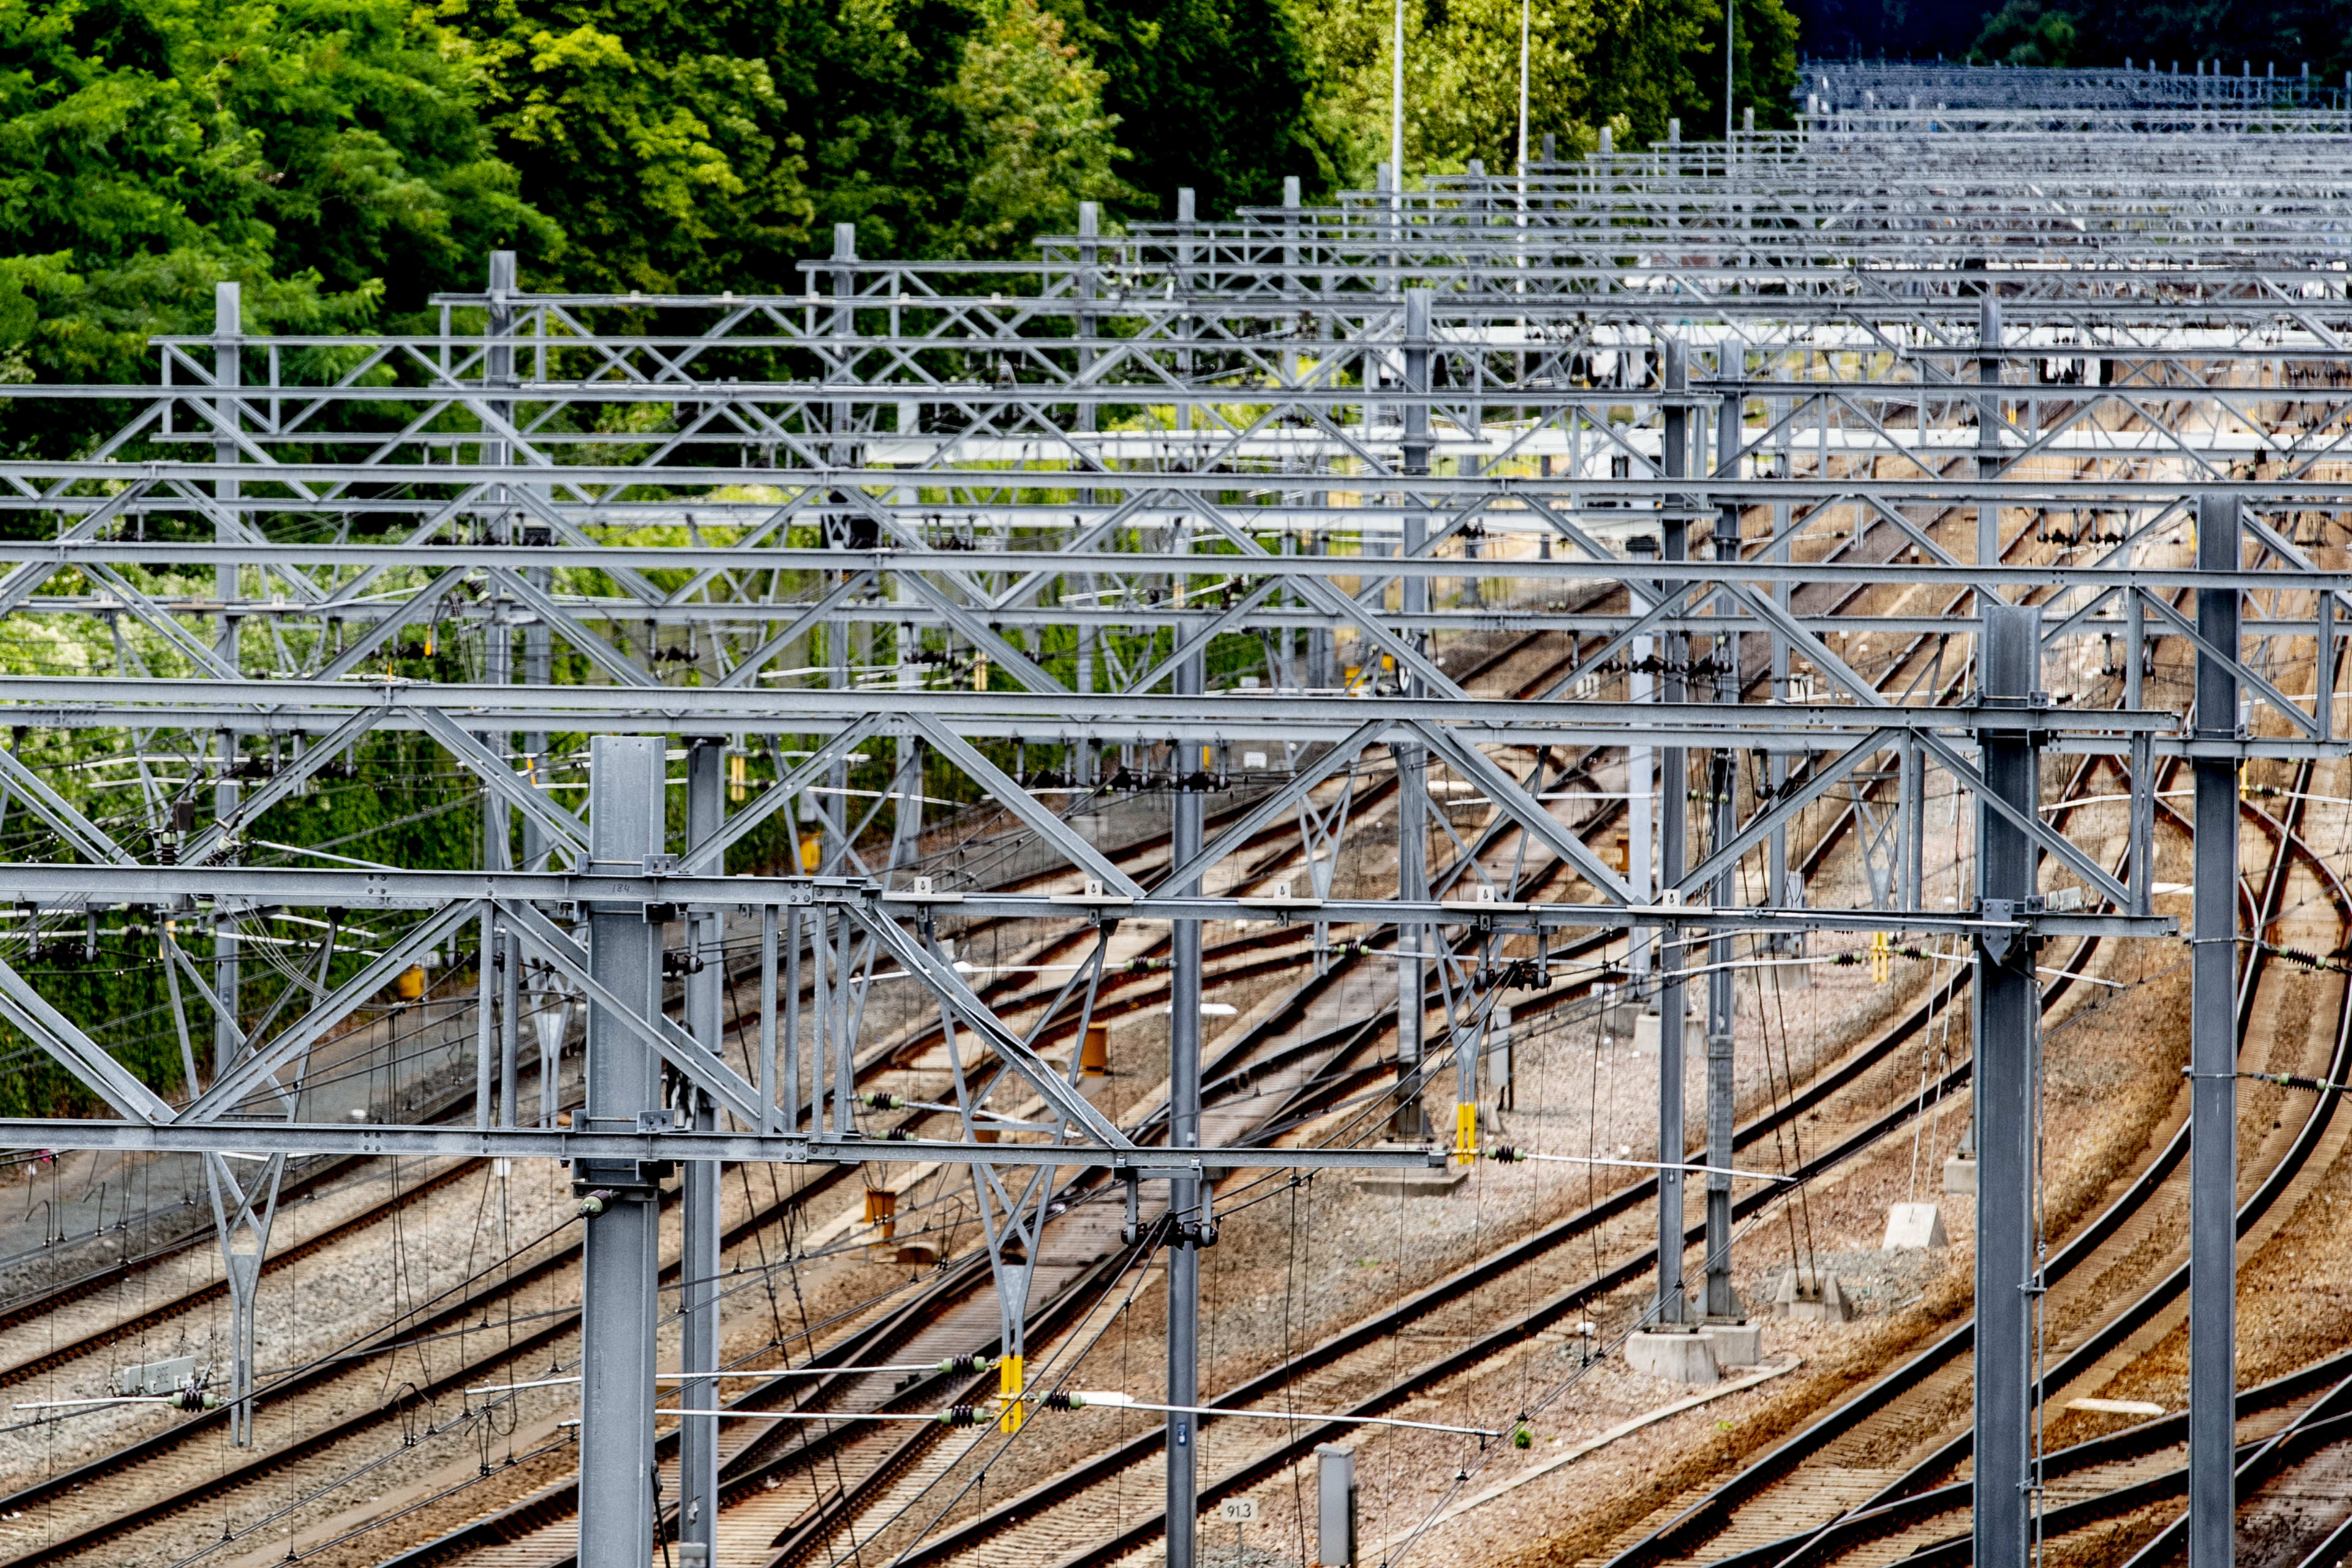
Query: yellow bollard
[[1008, 1389]]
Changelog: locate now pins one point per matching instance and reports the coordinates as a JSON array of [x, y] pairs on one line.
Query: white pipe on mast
[[1396, 114], [1523, 104]]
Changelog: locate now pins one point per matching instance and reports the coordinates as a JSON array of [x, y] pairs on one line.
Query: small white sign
[[155, 1378], [1238, 1511]]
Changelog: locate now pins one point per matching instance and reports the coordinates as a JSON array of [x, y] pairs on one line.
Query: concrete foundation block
[[1735, 1344], [1812, 1296], [1914, 1226], [1412, 1181], [1676, 1356], [1960, 1175]]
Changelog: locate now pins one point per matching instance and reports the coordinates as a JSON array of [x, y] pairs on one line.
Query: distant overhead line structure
[[1203, 506]]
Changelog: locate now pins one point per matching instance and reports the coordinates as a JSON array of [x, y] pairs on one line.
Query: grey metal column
[[1718, 1298], [2006, 1002], [1912, 792], [228, 327], [2212, 1061], [1777, 879], [698, 1293], [1674, 804], [1185, 1194], [622, 1250], [1412, 761], [1988, 424], [497, 670]]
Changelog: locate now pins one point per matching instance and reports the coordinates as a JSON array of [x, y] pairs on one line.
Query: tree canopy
[[345, 159]]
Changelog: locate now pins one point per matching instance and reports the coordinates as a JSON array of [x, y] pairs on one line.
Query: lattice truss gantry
[[1764, 437]]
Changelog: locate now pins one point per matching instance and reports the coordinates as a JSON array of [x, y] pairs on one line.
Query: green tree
[[327, 153], [868, 85], [1042, 141], [2287, 33], [1216, 95], [655, 131], [1636, 65], [2027, 33]]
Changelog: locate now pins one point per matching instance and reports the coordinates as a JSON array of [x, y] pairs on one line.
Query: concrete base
[[1735, 1344], [1812, 1297], [1678, 1356], [1960, 1175], [1914, 1226], [1412, 1181]]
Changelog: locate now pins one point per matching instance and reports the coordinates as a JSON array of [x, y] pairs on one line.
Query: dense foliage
[[2287, 33], [346, 158], [2283, 34]]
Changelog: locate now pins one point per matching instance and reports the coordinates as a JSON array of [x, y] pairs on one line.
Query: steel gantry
[[1873, 462]]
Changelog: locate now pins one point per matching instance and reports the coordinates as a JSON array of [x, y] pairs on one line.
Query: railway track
[[904, 1455], [1056, 1537], [1101, 1474], [1134, 998], [132, 1472], [1746, 1513], [1240, 1065]]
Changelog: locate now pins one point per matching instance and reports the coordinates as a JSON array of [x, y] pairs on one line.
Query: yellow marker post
[[1465, 1133], [1008, 1389]]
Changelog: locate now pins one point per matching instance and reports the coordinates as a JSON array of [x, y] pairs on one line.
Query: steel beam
[[622, 1252], [1674, 852], [1188, 1194], [2005, 1021], [1413, 941], [699, 1295], [1153, 1162], [2212, 1062]]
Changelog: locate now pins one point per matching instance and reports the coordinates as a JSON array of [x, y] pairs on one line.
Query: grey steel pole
[[2006, 1002], [1912, 794], [2212, 1061], [228, 327], [1776, 859], [1412, 761], [497, 670], [622, 1250], [229, 1034], [698, 1292], [1719, 1300], [1989, 427], [1987, 553], [1674, 804], [1185, 1194]]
